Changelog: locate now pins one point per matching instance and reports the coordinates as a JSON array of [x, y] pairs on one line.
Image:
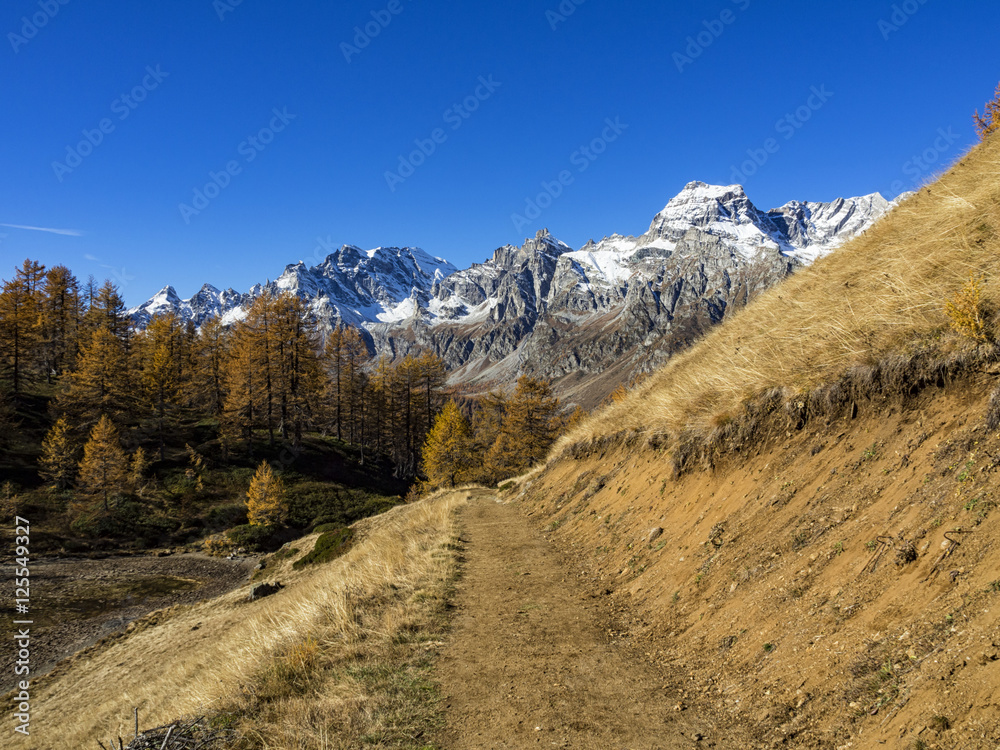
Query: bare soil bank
[[831, 588]]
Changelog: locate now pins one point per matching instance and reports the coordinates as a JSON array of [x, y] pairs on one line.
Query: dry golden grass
[[884, 292], [331, 659]]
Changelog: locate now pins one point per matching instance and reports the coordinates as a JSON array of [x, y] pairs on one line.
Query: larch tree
[[355, 353], [61, 312], [8, 416], [530, 427], [20, 324], [243, 386], [137, 468], [104, 470], [344, 358], [431, 374], [447, 453], [100, 384], [210, 353], [159, 349], [257, 334], [108, 310], [380, 398], [58, 462], [487, 422], [266, 504], [336, 386], [297, 369]]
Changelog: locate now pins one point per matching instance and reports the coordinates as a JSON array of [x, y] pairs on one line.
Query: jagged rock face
[[576, 323], [589, 318]]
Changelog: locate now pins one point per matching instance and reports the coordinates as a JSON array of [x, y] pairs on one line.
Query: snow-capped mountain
[[589, 318], [351, 286]]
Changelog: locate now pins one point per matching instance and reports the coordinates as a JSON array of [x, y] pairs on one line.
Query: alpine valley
[[587, 319]]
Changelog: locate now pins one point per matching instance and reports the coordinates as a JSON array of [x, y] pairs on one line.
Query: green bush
[[227, 516], [256, 538], [329, 546], [325, 527], [311, 504]]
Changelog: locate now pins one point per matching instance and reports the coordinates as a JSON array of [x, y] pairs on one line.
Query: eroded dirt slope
[[837, 587]]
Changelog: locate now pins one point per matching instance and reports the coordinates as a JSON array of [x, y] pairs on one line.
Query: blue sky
[[303, 123]]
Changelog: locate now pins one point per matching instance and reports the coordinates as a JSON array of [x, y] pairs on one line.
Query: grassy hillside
[[337, 659], [800, 512]]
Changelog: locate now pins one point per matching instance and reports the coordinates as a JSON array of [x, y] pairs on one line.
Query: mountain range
[[588, 319]]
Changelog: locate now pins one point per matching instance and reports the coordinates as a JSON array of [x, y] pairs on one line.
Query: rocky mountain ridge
[[588, 318]]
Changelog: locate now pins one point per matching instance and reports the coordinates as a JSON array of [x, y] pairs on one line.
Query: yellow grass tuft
[[314, 666], [883, 293]]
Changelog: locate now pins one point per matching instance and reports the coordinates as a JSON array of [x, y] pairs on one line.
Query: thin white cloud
[[66, 232], [88, 256]]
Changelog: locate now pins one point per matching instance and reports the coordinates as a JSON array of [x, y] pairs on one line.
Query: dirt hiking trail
[[529, 662]]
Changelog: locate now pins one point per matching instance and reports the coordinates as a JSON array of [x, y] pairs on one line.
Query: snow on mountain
[[351, 285], [717, 210], [801, 230], [816, 229]]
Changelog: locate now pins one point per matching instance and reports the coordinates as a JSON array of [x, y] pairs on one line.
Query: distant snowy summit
[[351, 285], [805, 231]]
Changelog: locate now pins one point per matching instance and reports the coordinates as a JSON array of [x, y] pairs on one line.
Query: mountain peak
[[714, 209], [167, 295], [545, 242]]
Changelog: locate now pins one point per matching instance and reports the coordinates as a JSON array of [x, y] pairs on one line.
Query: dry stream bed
[[75, 601]]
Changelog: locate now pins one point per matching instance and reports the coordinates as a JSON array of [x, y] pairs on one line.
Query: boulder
[[264, 589]]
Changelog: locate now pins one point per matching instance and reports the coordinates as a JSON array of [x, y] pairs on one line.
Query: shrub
[[311, 504], [255, 538], [329, 546], [325, 527], [989, 121], [967, 311], [227, 516], [218, 547]]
